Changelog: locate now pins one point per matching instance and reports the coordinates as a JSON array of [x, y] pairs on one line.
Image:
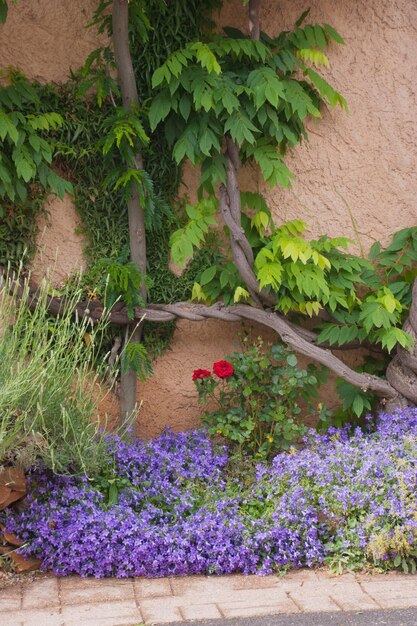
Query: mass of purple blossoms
[[348, 498]]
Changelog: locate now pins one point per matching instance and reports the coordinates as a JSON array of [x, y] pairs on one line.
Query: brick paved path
[[89, 602]]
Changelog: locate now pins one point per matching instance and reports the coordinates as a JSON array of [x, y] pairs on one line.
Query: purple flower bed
[[345, 500]]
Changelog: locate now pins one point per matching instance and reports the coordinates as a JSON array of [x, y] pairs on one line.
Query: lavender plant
[[49, 392]]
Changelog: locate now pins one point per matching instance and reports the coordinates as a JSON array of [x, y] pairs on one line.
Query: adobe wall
[[45, 39], [355, 177]]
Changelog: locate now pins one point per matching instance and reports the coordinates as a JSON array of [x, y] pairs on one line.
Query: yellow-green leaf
[[240, 294]]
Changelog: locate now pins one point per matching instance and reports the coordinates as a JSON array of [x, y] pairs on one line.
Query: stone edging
[[74, 601]]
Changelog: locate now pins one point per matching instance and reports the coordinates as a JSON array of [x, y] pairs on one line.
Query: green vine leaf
[[3, 11], [206, 58], [240, 128], [28, 145], [315, 57], [240, 294], [333, 34], [325, 90], [250, 90], [186, 240]]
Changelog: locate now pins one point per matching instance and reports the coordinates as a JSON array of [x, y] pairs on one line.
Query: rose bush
[[257, 395]]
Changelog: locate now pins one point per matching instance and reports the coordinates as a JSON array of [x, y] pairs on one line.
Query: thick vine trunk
[[299, 339], [402, 371], [136, 216], [398, 390]]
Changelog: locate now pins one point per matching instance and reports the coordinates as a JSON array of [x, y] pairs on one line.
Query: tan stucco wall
[[356, 176], [45, 38], [59, 245]]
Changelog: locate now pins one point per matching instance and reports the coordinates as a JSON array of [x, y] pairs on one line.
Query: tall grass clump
[[49, 375]]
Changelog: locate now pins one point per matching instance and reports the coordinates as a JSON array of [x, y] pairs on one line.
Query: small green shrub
[[258, 394], [48, 377]]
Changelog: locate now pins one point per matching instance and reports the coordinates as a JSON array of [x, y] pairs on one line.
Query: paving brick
[[350, 597], [253, 597], [41, 594], [110, 602], [207, 585], [85, 590], [298, 576], [201, 611], [256, 582], [318, 588], [200, 593], [315, 588], [393, 593], [196, 601], [317, 602], [161, 610], [9, 620], [406, 583], [11, 591], [240, 609], [324, 575], [267, 601], [152, 587], [383, 578], [77, 582], [33, 617], [104, 614], [10, 605], [10, 598]]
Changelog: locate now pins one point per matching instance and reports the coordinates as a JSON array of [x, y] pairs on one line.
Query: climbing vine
[[78, 157], [241, 99], [28, 129], [222, 102]]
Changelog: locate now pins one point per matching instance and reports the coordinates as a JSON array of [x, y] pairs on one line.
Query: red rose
[[200, 374], [223, 369]]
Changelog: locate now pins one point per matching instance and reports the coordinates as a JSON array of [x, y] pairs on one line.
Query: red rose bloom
[[223, 369], [200, 374]]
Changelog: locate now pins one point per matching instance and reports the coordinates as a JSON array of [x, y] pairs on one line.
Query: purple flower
[[178, 512]]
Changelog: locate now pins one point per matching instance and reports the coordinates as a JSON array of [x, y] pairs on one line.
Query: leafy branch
[[238, 100], [28, 146]]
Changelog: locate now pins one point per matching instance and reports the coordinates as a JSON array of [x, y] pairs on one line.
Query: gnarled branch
[[299, 339]]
